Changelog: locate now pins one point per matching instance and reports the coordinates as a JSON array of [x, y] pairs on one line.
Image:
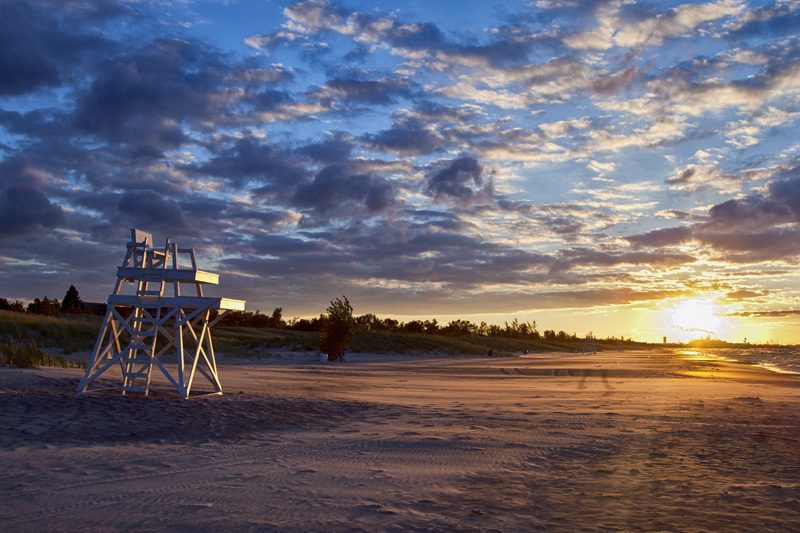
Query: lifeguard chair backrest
[[141, 243], [141, 237]]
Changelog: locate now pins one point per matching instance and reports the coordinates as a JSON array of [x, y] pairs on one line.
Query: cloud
[[38, 51], [660, 238], [148, 209], [273, 169], [787, 191], [314, 16], [23, 210], [629, 25], [571, 258], [423, 164], [408, 136], [460, 181], [144, 97], [744, 294], [378, 92], [335, 191], [610, 85], [337, 147], [752, 213], [767, 314]]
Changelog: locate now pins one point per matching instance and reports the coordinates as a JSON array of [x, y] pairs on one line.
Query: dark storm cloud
[[747, 212], [375, 92], [432, 112], [20, 171], [268, 99], [754, 247], [144, 97], [575, 257], [408, 137], [460, 181], [661, 237], [148, 209], [334, 149], [336, 190], [757, 227], [272, 168], [787, 191], [37, 50], [23, 209], [748, 229]]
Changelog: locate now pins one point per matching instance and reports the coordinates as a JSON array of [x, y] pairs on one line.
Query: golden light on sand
[[696, 318]]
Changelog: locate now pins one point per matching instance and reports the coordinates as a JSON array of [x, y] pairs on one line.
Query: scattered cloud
[[562, 154]]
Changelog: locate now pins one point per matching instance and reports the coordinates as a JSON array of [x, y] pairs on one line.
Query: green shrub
[[338, 330]]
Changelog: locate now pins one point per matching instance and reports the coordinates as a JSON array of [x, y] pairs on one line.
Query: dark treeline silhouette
[[71, 304], [246, 319], [515, 329]]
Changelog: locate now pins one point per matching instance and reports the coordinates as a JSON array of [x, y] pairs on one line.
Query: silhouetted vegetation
[[16, 306], [339, 329], [44, 306], [67, 325], [72, 301], [246, 319]]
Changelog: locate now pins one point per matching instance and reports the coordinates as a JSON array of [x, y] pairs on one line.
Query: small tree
[[16, 305], [72, 301], [44, 307], [338, 330]]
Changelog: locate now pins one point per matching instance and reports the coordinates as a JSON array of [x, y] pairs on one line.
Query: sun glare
[[695, 319]]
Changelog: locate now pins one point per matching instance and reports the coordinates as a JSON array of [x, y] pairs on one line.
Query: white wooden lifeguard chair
[[150, 329]]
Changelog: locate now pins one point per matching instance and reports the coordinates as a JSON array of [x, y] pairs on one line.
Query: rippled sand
[[636, 441]]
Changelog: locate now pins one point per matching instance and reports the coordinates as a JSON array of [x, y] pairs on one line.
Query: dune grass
[[29, 355], [69, 332]]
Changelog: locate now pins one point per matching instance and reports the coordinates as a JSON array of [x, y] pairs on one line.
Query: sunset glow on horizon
[[626, 168]]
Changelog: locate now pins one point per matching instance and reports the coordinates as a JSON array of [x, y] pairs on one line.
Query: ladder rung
[[144, 319], [135, 375], [134, 389], [135, 361]]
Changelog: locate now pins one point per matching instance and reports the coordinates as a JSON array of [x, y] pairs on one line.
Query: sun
[[696, 318]]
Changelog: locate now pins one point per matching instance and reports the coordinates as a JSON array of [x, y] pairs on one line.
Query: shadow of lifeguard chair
[[150, 329]]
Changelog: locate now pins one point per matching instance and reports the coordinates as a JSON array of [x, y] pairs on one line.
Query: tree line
[[72, 303], [372, 323]]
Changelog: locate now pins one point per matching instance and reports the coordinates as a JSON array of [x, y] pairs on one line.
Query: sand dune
[[637, 441]]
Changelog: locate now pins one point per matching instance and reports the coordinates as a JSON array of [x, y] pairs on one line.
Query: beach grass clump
[[69, 332], [28, 354]]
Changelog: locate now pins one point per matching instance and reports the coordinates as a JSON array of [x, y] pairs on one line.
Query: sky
[[624, 168]]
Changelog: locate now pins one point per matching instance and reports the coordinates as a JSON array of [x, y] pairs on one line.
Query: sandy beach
[[619, 441]]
